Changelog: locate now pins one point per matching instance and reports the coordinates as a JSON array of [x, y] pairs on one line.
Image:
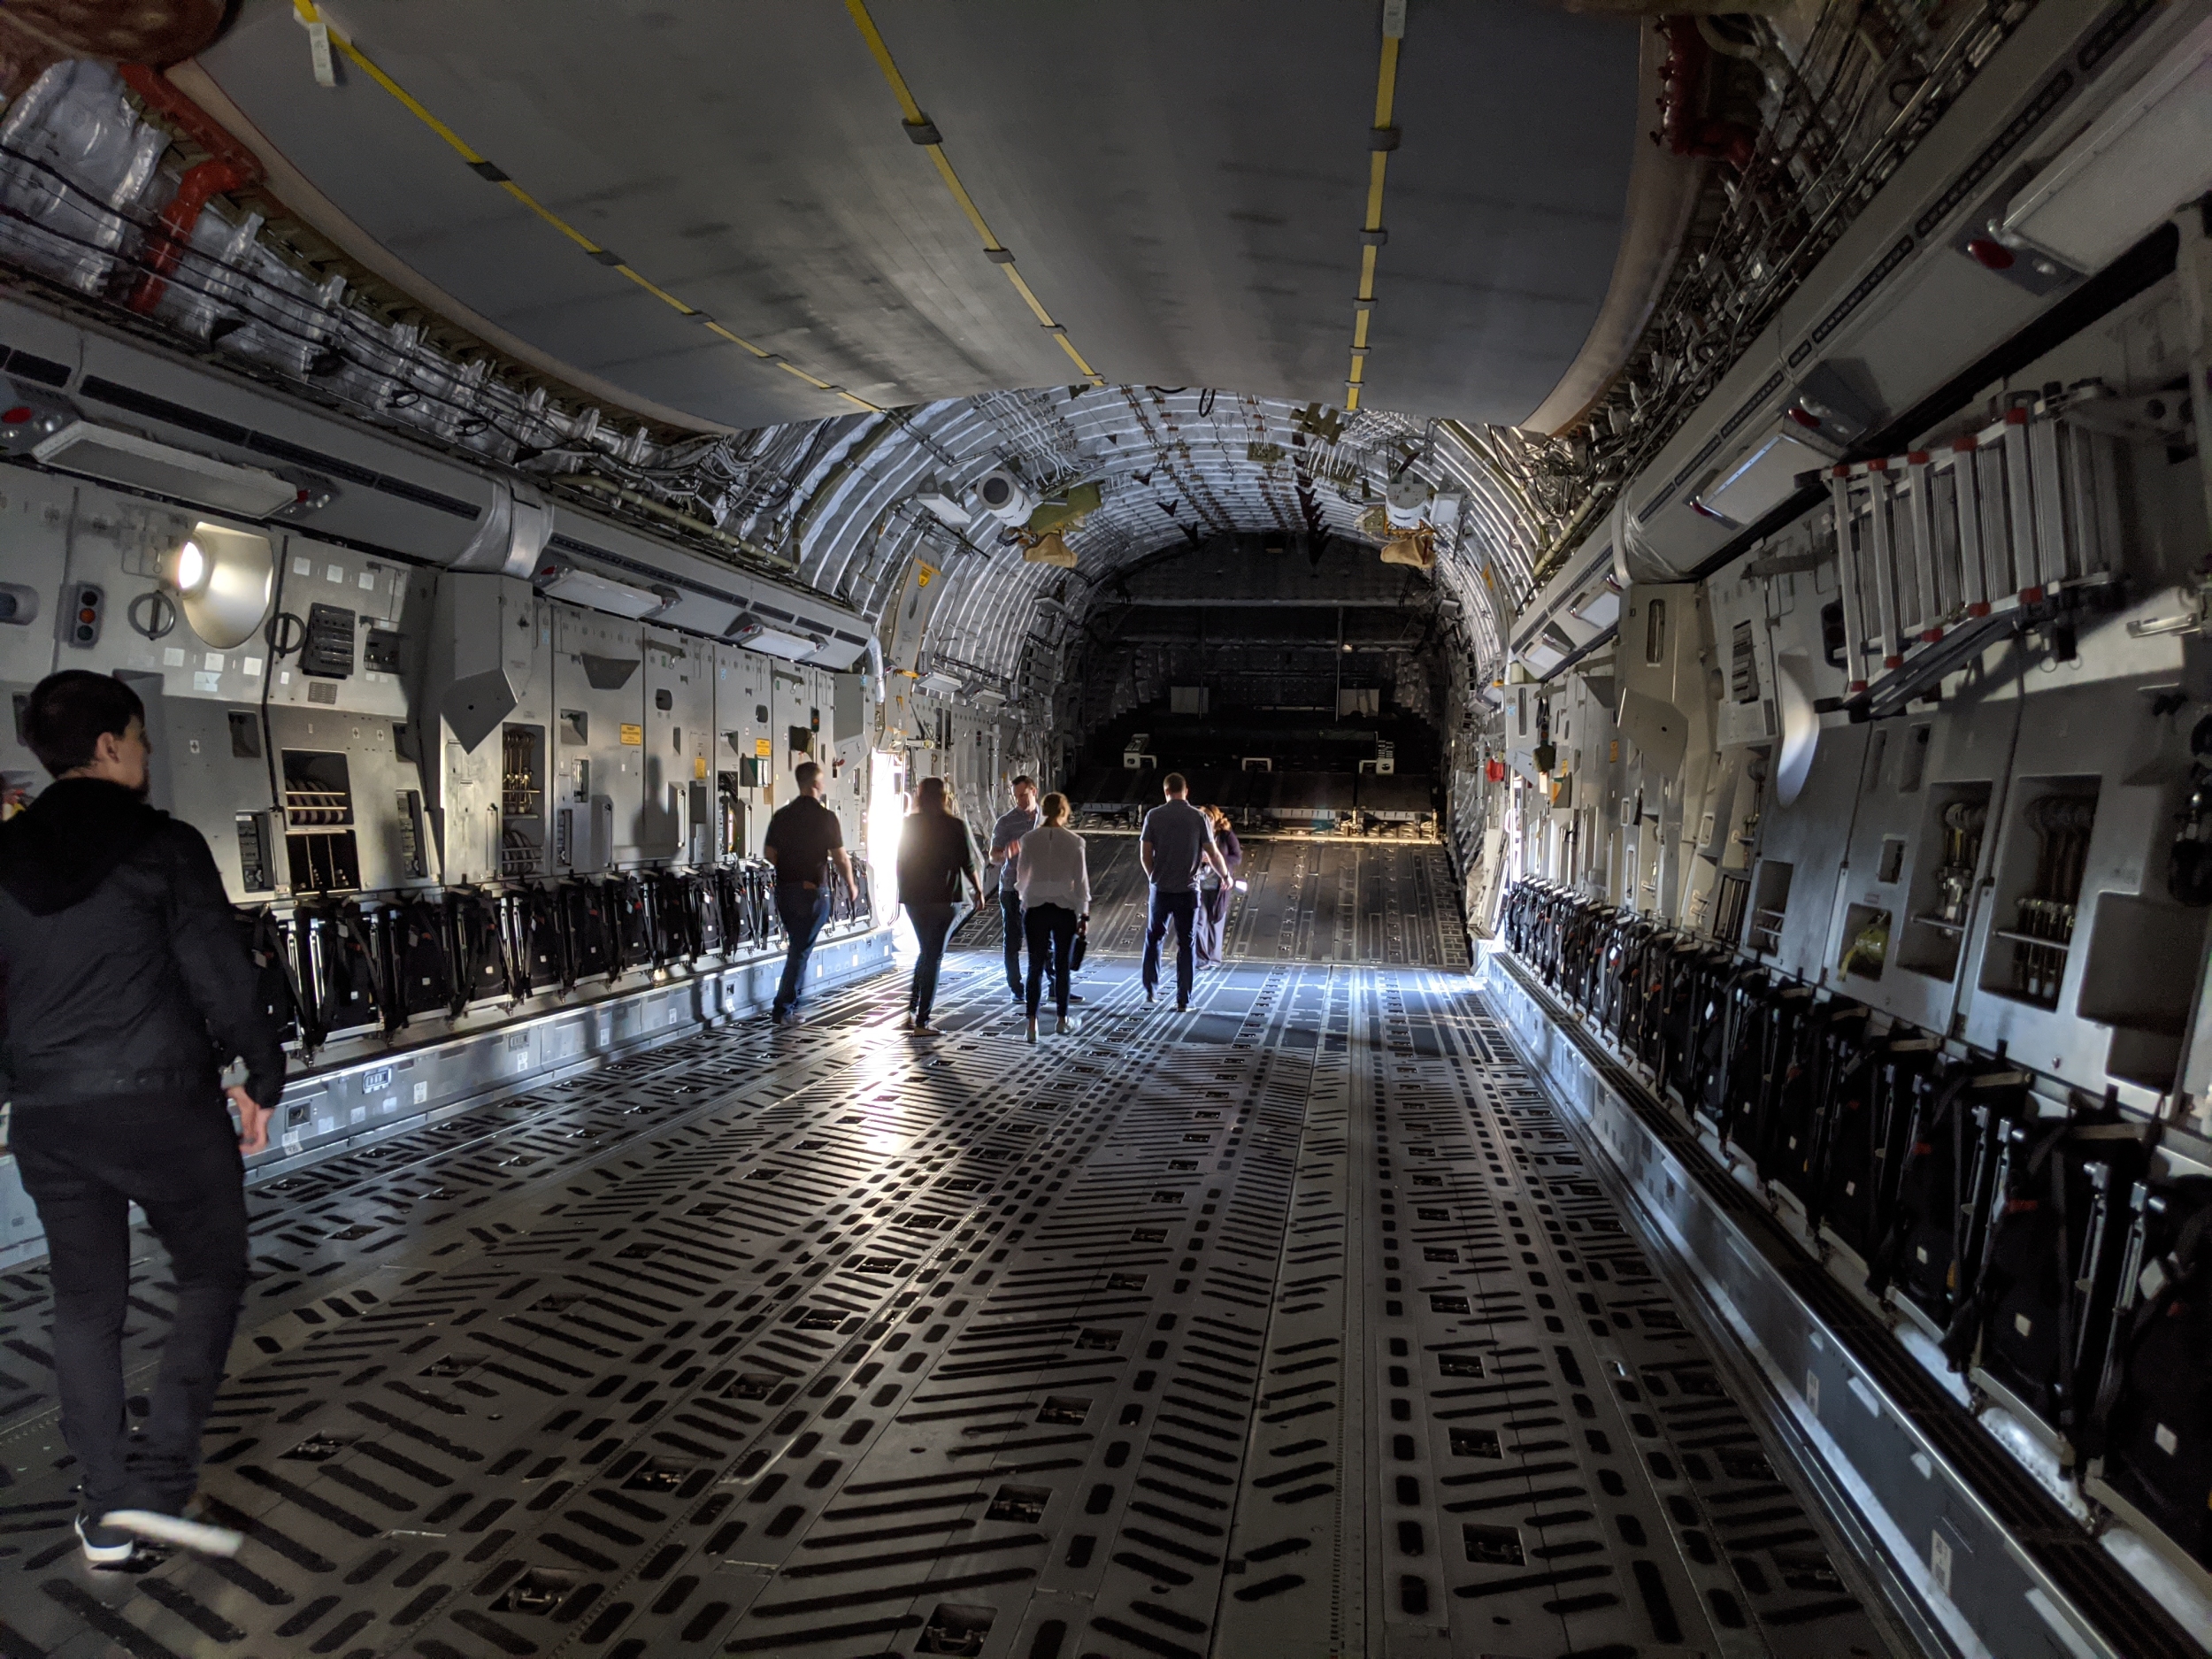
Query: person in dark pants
[[128, 989], [934, 856], [1177, 840], [1056, 890], [1006, 836], [804, 841], [1213, 895]]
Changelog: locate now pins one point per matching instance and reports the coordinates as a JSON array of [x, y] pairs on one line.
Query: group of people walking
[[1043, 880], [1041, 872], [124, 990]]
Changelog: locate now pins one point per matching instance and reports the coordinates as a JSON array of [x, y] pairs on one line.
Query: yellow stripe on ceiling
[[305, 10], [1377, 168], [910, 113]]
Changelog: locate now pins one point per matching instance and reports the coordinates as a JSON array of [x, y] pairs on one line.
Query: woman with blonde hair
[[935, 853], [1053, 873]]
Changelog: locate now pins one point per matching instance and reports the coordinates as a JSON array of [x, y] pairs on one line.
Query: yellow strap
[[873, 36], [305, 10], [912, 112], [1378, 167]]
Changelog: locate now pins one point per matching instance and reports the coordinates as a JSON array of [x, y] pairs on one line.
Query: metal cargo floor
[[1389, 903], [1295, 1325]]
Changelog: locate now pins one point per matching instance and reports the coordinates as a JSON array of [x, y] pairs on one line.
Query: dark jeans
[[1213, 914], [933, 925], [1010, 905], [1182, 909], [83, 1166], [804, 910], [1051, 930]]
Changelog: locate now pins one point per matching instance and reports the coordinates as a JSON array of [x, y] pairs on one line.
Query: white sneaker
[[155, 1527], [906, 1020], [1032, 1028], [1069, 1026], [109, 1555], [923, 1028]]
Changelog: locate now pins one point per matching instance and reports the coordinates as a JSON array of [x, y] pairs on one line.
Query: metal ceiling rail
[[923, 131], [307, 13]]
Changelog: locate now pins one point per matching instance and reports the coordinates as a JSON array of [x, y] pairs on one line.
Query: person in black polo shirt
[[804, 839]]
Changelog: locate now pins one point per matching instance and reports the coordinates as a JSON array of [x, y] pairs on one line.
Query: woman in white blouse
[[1054, 877]]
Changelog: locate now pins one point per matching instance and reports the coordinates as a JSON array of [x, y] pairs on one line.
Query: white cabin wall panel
[[679, 710], [1809, 836], [742, 720], [34, 535], [611, 746], [2099, 734]]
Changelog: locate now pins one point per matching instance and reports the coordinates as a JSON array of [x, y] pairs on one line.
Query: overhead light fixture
[[769, 640], [115, 456], [2148, 153], [225, 580], [941, 502], [558, 580]]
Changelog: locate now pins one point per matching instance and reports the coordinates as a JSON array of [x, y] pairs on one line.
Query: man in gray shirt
[[1006, 836], [1177, 840]]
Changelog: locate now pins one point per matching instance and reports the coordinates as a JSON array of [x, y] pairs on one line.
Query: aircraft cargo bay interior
[[862, 828]]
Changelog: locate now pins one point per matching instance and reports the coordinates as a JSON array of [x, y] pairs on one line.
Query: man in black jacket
[[127, 990]]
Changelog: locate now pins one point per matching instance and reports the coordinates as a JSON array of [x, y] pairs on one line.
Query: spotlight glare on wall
[[192, 568]]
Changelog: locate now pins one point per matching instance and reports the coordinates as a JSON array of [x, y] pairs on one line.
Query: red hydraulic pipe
[[230, 166], [1682, 128]]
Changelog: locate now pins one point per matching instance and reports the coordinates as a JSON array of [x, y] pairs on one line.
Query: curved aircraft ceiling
[[1183, 189], [1174, 469]]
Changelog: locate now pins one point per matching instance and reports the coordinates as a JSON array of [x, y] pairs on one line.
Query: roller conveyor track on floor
[[1299, 1325], [1388, 902]]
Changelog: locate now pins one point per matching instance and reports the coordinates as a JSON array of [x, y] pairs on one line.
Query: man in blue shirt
[[1178, 839]]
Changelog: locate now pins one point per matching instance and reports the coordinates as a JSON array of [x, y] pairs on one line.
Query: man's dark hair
[[1175, 783], [806, 772], [66, 714], [1021, 779]]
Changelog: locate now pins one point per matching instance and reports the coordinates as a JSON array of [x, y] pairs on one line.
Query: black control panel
[[253, 853], [328, 653]]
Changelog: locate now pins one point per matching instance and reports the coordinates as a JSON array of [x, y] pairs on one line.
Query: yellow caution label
[[633, 735], [699, 767], [924, 575], [763, 747]]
